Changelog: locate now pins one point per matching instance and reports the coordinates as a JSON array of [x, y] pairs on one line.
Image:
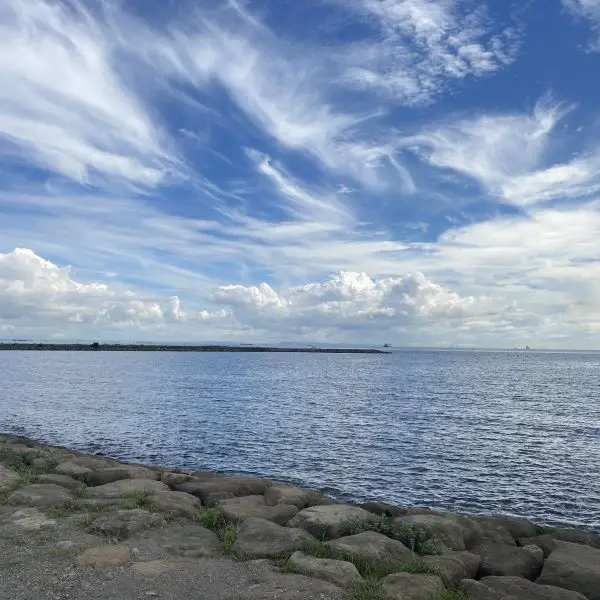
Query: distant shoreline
[[21, 346]]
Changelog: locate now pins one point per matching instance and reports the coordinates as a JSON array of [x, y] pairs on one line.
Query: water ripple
[[470, 431]]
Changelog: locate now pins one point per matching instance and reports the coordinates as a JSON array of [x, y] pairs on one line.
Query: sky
[[413, 172]]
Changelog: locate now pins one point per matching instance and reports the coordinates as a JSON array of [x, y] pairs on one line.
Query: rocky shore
[[76, 526]]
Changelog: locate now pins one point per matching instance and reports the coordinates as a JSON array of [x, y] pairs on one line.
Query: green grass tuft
[[24, 467], [66, 508], [136, 500], [213, 518], [416, 565], [419, 539], [79, 491], [228, 537], [369, 589]]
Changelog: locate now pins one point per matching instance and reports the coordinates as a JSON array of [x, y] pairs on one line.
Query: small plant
[[418, 539], [416, 565], [136, 500], [213, 518], [66, 508], [79, 490], [453, 594], [369, 589], [228, 537], [4, 497]]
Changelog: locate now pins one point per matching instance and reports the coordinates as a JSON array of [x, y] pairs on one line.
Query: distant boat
[[387, 345]]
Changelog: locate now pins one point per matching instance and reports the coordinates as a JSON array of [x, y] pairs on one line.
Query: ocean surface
[[470, 431]]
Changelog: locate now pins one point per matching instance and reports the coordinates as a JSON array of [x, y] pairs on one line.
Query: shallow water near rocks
[[474, 432]]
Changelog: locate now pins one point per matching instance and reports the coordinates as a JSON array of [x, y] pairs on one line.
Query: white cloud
[[38, 296], [353, 300], [506, 152], [422, 45], [64, 104], [588, 10]]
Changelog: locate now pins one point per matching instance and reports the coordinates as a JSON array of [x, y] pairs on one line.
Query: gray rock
[[105, 557], [446, 532], [473, 532], [259, 537], [329, 521], [516, 588], [175, 503], [340, 572], [374, 547], [245, 507], [545, 541], [454, 566], [40, 494], [8, 479], [22, 450], [123, 523], [93, 463], [62, 480], [497, 559], [41, 463], [181, 539], [155, 568], [575, 536], [516, 526], [72, 469], [173, 479], [574, 567], [124, 487], [406, 586], [494, 532], [111, 474], [298, 497], [475, 590], [382, 509], [31, 519], [214, 484], [291, 587]]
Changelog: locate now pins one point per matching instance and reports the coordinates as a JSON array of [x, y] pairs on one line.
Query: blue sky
[[420, 172]]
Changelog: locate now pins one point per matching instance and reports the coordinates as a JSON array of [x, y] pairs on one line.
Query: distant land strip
[[95, 347]]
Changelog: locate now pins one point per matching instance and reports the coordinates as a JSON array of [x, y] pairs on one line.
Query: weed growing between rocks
[[212, 518], [418, 539], [369, 589], [65, 509], [24, 465], [136, 500], [227, 538], [79, 491]]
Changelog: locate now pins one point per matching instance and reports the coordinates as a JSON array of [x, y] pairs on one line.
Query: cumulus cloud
[[350, 299], [36, 295]]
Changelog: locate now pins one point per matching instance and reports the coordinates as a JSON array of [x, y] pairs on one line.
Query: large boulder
[[406, 586], [291, 587], [104, 476], [71, 469], [31, 519], [125, 487], [62, 480], [180, 539], [245, 507], [331, 520], [502, 560], [105, 557], [340, 572], [373, 546], [574, 567], [93, 462], [447, 533], [454, 566], [545, 541], [40, 494], [121, 524], [516, 526], [382, 509], [472, 530], [475, 590], [212, 484], [516, 588], [299, 497], [175, 503], [172, 478], [494, 532], [575, 536], [259, 537], [8, 479]]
